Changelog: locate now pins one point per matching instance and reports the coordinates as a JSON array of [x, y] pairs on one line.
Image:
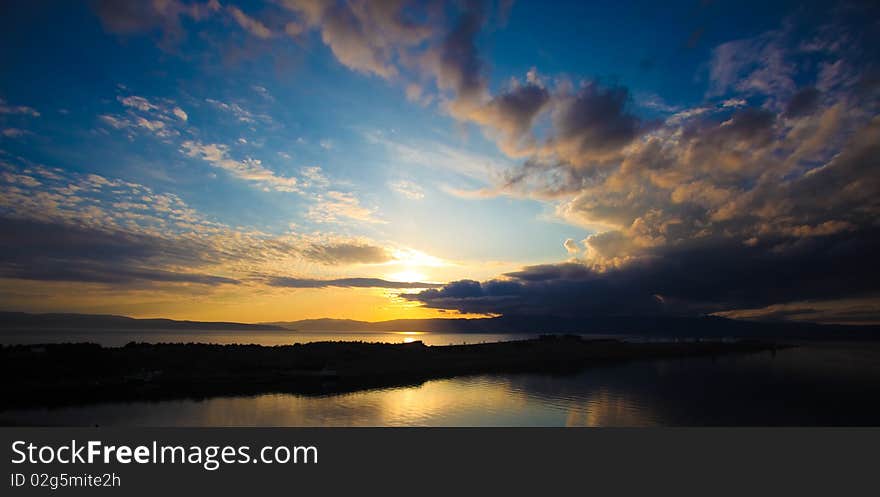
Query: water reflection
[[609, 408], [118, 338], [812, 385]]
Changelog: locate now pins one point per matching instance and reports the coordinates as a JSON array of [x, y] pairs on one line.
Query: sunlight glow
[[407, 276], [414, 258]]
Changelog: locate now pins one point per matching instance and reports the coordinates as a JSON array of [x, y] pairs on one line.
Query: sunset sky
[[290, 159]]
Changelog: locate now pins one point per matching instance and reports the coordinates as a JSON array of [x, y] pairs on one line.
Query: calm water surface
[[118, 338], [814, 384]]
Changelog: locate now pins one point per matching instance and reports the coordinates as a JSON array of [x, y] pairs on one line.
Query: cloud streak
[[346, 283]]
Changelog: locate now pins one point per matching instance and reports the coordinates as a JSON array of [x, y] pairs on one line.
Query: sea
[[811, 384]]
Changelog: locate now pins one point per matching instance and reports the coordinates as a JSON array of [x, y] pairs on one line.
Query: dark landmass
[[23, 320], [659, 326], [648, 326], [58, 374]]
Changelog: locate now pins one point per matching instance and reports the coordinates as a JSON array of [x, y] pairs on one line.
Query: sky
[[292, 159]]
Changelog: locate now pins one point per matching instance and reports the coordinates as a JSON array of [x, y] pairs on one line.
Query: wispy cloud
[[440, 156], [239, 112], [408, 189], [347, 283], [5, 108], [337, 207], [161, 118], [136, 16], [263, 92], [247, 169], [249, 24], [14, 132]]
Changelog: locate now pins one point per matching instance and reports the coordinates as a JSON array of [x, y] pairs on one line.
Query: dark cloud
[[366, 36], [458, 63], [509, 116], [707, 225], [803, 102], [711, 277], [49, 251], [517, 108], [752, 125], [858, 311], [594, 123], [282, 281], [99, 272], [346, 253], [140, 16], [559, 290]]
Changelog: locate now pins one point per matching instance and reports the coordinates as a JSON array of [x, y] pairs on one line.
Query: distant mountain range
[[659, 326], [23, 320]]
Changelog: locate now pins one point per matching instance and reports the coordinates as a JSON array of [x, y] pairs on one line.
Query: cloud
[[705, 223], [392, 40], [593, 124], [440, 156], [329, 206], [838, 311], [314, 176], [655, 102], [408, 189], [247, 169], [454, 62], [571, 246], [346, 252], [62, 226], [834, 74], [242, 114], [14, 132], [336, 207], [762, 185], [249, 24], [508, 116], [263, 92], [753, 65], [17, 109], [125, 17], [558, 290], [694, 279], [139, 103], [51, 251], [161, 118], [761, 197], [365, 36], [346, 283]]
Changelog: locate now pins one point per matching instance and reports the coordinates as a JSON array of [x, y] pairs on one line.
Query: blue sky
[[459, 150], [311, 113]]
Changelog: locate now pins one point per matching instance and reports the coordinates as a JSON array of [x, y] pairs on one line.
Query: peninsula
[[58, 374]]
